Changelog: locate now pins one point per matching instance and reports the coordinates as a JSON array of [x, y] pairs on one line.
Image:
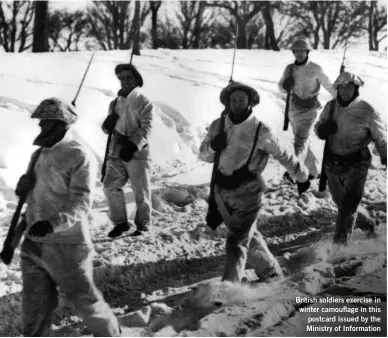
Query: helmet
[[301, 44], [132, 69], [54, 109], [232, 87], [347, 77]]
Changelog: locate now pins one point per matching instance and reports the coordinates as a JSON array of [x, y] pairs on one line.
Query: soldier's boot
[[118, 230]]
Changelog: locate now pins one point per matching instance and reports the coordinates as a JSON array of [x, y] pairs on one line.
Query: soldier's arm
[[378, 131], [110, 111], [147, 110], [326, 83], [206, 153], [271, 144], [322, 118], [81, 189]]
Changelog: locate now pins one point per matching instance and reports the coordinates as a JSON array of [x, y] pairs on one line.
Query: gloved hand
[[326, 129], [219, 142], [128, 149], [288, 83], [110, 122], [303, 187], [40, 229], [25, 184]]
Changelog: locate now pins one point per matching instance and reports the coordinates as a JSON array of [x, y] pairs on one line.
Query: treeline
[[110, 25]]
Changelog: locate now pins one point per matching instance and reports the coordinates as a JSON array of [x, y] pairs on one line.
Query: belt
[[361, 155], [304, 103]]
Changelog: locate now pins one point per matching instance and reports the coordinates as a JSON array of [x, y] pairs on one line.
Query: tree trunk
[[242, 41], [198, 24], [40, 37], [136, 36], [154, 6], [270, 32], [371, 25]]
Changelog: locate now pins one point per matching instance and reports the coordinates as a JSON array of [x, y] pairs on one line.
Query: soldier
[[129, 121], [304, 79], [244, 143], [57, 250], [350, 124]]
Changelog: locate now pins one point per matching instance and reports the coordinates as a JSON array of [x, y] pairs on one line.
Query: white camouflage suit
[[240, 207], [308, 80], [135, 121], [66, 177], [358, 125]]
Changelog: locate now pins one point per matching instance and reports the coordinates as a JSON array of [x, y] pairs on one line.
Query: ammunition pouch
[[231, 182], [307, 103]]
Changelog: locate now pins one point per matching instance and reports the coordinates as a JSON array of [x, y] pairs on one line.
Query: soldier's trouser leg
[[261, 259], [40, 296], [302, 124], [70, 266], [139, 176], [346, 185], [239, 209], [115, 179]]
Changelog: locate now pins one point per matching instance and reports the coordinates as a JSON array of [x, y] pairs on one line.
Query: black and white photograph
[[193, 168]]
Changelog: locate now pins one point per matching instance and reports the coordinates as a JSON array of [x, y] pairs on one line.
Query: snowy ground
[[148, 281]]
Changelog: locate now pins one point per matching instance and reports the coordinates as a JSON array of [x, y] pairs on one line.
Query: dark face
[[300, 54], [47, 125], [238, 102], [52, 131], [347, 90], [127, 80]]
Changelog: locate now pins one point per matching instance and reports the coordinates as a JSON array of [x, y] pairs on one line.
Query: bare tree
[[110, 24], [66, 29], [194, 19], [242, 12], [16, 25], [377, 20], [154, 7]]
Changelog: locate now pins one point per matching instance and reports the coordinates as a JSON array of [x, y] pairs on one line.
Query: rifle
[[323, 177], [213, 216], [16, 230], [82, 81], [286, 119], [103, 169]]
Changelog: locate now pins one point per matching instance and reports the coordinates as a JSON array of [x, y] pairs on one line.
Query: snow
[[185, 85]]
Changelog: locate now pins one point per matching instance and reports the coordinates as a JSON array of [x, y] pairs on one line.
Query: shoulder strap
[[254, 144]]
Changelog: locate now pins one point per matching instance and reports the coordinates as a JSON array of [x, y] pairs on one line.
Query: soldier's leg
[[354, 182], [40, 295], [303, 126], [71, 266], [139, 175], [364, 220], [237, 243], [115, 178], [261, 259]]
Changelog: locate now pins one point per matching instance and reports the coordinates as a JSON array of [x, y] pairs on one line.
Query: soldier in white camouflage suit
[[58, 249], [130, 122], [304, 78], [244, 145], [353, 126]]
